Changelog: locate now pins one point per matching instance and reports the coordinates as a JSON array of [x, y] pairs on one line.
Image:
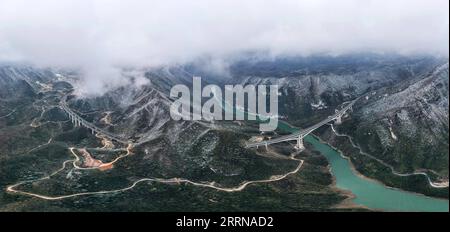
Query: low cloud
[[100, 37]]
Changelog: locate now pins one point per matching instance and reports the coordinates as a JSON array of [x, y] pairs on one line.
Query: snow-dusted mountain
[[404, 107]]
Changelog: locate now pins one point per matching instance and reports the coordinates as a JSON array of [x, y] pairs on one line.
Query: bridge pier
[[78, 121], [298, 136], [338, 120], [300, 146]]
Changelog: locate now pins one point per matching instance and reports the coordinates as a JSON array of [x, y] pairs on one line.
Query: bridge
[[298, 136], [79, 121]]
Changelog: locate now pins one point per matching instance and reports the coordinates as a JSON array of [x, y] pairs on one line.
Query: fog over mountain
[[102, 36]]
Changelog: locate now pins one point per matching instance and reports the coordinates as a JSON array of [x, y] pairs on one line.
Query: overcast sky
[[101, 35]]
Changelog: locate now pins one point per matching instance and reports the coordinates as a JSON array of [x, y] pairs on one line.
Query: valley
[[136, 151]]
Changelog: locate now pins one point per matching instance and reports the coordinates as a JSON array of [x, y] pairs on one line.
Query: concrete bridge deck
[[79, 121], [298, 136]]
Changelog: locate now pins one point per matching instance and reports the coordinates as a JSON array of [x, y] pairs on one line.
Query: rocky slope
[[407, 107], [407, 124], [310, 86]]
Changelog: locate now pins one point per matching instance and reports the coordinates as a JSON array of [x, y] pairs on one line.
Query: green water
[[370, 193], [367, 192]]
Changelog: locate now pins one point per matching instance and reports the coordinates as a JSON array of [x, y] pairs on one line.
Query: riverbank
[[360, 175], [370, 193]]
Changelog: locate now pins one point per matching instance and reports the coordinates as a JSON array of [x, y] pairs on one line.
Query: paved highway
[[303, 133]]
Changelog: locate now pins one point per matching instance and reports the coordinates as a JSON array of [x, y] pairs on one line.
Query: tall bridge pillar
[[78, 121], [300, 145], [338, 120]]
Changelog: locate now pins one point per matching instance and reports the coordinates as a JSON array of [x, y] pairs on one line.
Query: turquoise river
[[367, 192]]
